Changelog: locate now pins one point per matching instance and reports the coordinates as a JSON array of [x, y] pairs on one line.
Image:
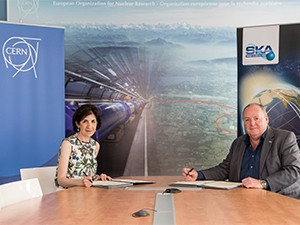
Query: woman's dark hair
[[83, 111]]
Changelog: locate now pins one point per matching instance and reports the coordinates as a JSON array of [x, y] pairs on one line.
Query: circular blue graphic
[[270, 56], [282, 107]]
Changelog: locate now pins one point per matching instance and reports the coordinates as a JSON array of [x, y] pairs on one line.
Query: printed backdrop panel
[[31, 96], [176, 58], [274, 85]]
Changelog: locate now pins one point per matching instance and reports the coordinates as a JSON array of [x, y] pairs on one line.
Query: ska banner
[[268, 73], [31, 97]]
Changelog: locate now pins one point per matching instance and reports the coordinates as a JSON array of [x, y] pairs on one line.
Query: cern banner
[[268, 73], [31, 97]]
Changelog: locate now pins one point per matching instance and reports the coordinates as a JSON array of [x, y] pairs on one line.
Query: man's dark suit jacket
[[279, 162]]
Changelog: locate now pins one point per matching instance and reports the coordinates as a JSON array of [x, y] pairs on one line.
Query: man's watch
[[263, 184]]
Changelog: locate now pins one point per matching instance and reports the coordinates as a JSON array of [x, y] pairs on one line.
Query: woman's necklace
[[82, 139]]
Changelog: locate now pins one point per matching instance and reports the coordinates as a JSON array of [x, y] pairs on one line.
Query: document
[[133, 181], [222, 185], [227, 185], [110, 184]]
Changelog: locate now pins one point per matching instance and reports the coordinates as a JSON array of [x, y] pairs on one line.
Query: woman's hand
[[103, 177], [87, 181]]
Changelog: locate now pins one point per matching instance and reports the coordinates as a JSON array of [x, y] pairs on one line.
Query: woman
[[77, 160]]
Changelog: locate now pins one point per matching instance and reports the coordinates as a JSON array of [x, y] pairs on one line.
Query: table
[[89, 206]]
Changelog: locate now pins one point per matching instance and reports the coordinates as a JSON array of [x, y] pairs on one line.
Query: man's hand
[[189, 174], [250, 182]]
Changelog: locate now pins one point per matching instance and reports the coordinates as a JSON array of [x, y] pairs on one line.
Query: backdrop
[[268, 73], [178, 58], [31, 97]]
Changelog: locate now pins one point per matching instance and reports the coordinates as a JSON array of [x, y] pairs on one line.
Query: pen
[[188, 173], [86, 176]]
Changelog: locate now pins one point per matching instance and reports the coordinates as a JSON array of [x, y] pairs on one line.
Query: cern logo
[[21, 54], [27, 7]]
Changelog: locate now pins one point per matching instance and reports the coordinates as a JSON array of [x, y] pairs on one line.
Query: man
[[265, 157]]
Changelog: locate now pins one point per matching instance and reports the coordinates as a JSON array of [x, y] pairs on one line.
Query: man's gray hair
[[262, 107]]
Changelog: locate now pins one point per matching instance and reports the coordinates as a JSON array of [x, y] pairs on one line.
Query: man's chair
[[18, 191], [45, 175]]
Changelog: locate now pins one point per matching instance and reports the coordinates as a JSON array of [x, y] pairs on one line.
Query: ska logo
[[21, 54], [264, 51]]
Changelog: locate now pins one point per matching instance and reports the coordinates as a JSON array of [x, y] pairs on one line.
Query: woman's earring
[[78, 129]]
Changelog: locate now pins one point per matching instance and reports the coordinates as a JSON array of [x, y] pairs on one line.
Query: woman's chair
[[2, 203], [45, 175], [18, 191]]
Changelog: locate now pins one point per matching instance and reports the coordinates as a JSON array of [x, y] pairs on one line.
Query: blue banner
[[31, 97]]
